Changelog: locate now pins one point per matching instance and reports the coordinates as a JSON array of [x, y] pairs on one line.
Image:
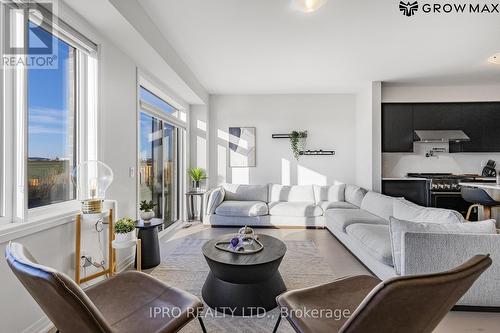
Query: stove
[[443, 190], [443, 182]]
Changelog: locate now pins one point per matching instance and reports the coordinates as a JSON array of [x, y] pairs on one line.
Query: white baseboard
[[43, 325]]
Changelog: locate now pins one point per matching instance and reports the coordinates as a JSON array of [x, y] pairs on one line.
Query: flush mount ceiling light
[[495, 59], [308, 6]]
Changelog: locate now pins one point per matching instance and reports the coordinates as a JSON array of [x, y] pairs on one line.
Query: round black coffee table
[[244, 284]]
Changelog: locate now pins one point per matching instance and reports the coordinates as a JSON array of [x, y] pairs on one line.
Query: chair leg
[[469, 211], [203, 329], [277, 324], [487, 212]]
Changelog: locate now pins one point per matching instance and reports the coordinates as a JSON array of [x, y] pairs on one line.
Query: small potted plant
[[197, 175], [298, 142], [147, 212], [124, 230]]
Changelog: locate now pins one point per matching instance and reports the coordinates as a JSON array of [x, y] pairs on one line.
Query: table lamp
[[92, 179]]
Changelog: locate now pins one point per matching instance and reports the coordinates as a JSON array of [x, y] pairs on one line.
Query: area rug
[[186, 268]]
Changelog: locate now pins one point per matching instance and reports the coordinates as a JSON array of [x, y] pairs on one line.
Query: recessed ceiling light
[[495, 59], [308, 6]]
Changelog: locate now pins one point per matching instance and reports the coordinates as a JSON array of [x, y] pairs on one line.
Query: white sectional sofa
[[437, 239], [278, 205]]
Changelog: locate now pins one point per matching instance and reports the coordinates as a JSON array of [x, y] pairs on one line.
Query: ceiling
[[263, 46]]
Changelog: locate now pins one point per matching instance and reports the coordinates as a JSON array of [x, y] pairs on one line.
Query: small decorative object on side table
[[197, 175], [147, 212]]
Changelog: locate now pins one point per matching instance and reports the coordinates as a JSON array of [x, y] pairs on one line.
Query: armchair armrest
[[435, 252], [213, 198]]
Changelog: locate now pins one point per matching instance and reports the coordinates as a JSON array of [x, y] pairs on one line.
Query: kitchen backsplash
[[399, 164]]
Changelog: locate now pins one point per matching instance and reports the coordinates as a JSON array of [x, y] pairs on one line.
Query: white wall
[[398, 164], [368, 136], [329, 120], [199, 137]]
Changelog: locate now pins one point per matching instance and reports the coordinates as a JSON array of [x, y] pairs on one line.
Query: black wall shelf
[[284, 136], [319, 152]]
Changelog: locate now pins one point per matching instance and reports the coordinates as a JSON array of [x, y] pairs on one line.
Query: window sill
[[10, 231]]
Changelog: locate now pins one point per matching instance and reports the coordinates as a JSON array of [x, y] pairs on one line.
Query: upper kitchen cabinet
[[483, 123], [480, 121], [437, 116], [397, 127]]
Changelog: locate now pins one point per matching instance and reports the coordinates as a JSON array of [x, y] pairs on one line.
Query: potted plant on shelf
[[124, 230], [146, 208], [298, 142], [197, 175]]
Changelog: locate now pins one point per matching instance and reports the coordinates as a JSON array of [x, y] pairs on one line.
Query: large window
[[160, 155], [49, 111], [51, 126]]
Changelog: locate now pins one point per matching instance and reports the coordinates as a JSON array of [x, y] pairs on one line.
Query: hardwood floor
[[342, 263]]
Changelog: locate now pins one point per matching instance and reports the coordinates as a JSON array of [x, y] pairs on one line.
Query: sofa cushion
[[332, 193], [336, 204], [399, 227], [376, 239], [354, 194], [406, 210], [340, 219], [242, 208], [294, 193], [302, 209], [215, 198], [246, 192], [378, 204]]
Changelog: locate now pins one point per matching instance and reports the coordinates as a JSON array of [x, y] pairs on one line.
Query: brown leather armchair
[[410, 304], [128, 302]]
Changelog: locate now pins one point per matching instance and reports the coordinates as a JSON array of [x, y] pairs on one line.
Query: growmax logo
[[410, 8], [407, 8]]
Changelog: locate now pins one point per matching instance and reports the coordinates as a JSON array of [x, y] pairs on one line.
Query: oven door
[[449, 200]]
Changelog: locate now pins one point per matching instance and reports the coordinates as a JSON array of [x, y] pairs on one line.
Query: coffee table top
[[274, 249]]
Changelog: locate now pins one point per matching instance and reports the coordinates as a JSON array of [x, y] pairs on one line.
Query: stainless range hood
[[440, 136]]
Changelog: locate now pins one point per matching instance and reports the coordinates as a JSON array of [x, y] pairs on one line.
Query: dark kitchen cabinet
[[397, 128], [479, 120], [437, 116], [412, 190]]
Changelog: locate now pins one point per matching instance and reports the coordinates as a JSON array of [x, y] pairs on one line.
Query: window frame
[[14, 143]]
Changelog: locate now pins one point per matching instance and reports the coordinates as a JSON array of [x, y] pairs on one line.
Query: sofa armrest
[[213, 198], [436, 252]]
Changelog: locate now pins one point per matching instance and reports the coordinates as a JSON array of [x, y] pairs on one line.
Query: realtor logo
[[407, 8], [29, 34]]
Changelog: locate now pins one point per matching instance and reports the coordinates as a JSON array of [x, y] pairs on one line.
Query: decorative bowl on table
[[245, 242]]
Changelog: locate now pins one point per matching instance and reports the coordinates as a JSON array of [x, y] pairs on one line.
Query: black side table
[[191, 211], [150, 246]]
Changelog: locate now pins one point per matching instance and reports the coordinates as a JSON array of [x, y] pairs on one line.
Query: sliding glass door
[[160, 158], [159, 167]]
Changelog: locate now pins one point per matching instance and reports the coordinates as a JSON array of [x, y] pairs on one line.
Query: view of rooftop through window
[[51, 126]]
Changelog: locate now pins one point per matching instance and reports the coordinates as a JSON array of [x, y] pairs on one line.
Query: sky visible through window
[[48, 104], [152, 99]]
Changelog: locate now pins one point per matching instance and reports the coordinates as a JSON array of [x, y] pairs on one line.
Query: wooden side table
[[191, 210]]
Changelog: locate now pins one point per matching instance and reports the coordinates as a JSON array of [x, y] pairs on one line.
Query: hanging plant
[[297, 142]]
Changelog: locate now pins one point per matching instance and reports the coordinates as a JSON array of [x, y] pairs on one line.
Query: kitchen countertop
[[403, 178], [489, 186]]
